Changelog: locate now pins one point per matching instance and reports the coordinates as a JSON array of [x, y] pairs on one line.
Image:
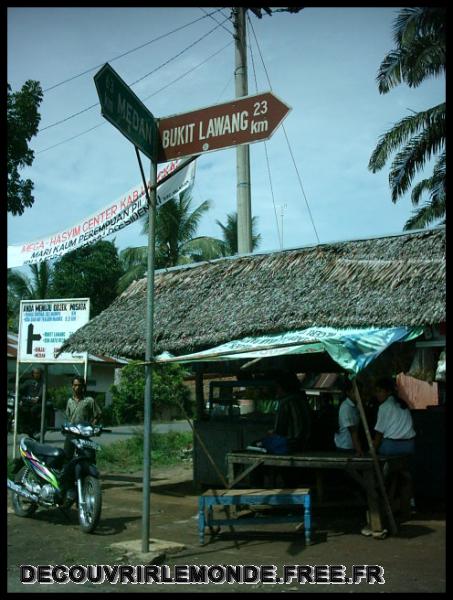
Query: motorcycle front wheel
[[23, 507], [90, 509]]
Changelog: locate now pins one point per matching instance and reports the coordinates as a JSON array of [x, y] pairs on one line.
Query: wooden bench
[[273, 497]]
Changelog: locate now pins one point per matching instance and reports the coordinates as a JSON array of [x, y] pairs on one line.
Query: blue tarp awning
[[352, 349]]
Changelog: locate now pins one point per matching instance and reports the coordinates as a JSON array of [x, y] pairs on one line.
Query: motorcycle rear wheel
[[23, 507], [90, 512]]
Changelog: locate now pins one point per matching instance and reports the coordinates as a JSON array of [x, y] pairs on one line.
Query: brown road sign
[[242, 121]]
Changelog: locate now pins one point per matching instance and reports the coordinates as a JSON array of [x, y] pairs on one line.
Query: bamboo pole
[[377, 466]]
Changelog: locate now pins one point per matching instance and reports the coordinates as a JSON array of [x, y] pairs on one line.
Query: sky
[[322, 62]]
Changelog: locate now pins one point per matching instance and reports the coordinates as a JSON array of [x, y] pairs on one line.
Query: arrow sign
[[242, 121], [124, 109]]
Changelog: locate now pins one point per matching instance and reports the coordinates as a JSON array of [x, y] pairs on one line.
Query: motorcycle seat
[[44, 449]]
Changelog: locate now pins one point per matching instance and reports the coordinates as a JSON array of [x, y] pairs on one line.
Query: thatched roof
[[388, 281]]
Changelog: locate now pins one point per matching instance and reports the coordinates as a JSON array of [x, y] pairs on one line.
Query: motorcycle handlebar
[[61, 429]]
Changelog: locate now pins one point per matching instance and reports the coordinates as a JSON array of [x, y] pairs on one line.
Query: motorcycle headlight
[[86, 444]]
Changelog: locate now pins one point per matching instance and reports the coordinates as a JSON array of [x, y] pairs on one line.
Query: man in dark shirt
[[293, 419], [32, 388]]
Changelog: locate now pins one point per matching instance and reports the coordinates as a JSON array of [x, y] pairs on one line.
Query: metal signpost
[[242, 121], [126, 112]]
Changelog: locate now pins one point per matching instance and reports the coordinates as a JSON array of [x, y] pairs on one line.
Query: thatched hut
[[383, 282]]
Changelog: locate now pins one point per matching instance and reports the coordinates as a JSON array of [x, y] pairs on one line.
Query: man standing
[[31, 389], [80, 409]]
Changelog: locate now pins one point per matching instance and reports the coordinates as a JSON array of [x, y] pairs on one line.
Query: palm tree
[[176, 243], [22, 287], [420, 39], [230, 234]]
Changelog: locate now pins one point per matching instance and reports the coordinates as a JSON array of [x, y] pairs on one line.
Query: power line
[[69, 139], [280, 237], [187, 72], [134, 82], [287, 140], [210, 15], [147, 97], [110, 60], [179, 54]]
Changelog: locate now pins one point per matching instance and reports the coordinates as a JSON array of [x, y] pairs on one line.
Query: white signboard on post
[[45, 324]]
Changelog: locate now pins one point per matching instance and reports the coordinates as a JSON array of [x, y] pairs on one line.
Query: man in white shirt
[[347, 436], [394, 430]]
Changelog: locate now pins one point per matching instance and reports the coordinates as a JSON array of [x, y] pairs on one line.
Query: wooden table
[[361, 469]]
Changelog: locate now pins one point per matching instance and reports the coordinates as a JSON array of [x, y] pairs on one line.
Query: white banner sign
[[45, 324], [104, 222]]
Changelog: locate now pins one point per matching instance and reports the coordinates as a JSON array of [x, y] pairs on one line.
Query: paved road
[[121, 432]]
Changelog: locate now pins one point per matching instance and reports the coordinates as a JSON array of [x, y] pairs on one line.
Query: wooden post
[[377, 466], [199, 392]]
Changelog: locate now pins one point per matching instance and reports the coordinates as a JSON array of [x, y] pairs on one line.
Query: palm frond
[[425, 58], [419, 35], [230, 235], [190, 224], [436, 184], [203, 248], [135, 272], [432, 118], [410, 160], [428, 214], [133, 256], [390, 72], [41, 278], [19, 285]]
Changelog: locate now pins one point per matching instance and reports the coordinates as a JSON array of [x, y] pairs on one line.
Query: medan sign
[[124, 109], [45, 324], [242, 121]]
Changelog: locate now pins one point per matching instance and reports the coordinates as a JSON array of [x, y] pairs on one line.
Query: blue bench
[[281, 497]]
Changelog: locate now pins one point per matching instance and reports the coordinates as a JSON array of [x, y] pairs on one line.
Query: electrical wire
[[187, 72], [286, 137], [147, 97], [279, 235], [224, 89], [134, 82], [110, 60], [210, 15]]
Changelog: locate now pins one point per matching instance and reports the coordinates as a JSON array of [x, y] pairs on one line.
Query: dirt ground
[[413, 561]]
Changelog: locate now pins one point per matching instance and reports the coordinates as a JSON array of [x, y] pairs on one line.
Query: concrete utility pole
[[244, 208]]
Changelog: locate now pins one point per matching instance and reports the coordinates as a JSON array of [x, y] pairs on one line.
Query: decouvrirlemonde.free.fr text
[[201, 574]]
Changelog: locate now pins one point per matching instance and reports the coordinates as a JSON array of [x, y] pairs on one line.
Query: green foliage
[[59, 396], [176, 225], [176, 241], [168, 391], [23, 120], [420, 53], [107, 416], [24, 287], [166, 449], [230, 234], [91, 271]]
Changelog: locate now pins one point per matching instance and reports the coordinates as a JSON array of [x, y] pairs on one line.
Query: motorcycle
[[49, 479], [29, 420]]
